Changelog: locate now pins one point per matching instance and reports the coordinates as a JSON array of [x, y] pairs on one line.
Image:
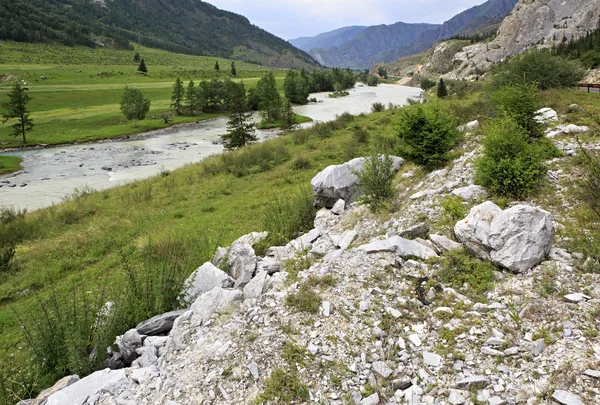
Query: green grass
[[300, 119], [78, 101], [9, 164]]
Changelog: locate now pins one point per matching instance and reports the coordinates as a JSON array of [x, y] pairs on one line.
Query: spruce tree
[[142, 67], [270, 101], [233, 70], [441, 90], [217, 67], [136, 57], [191, 97], [240, 128], [288, 118], [16, 107], [177, 96]]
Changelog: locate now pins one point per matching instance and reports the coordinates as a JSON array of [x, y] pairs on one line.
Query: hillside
[[185, 26], [540, 24], [327, 39], [388, 43]]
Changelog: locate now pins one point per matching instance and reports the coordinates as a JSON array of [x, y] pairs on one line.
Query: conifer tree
[[136, 57], [217, 67], [177, 96], [288, 118], [233, 70], [191, 97], [142, 67], [270, 101], [442, 91], [16, 107], [240, 128]]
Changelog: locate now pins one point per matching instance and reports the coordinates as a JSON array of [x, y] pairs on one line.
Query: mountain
[[184, 26], [386, 43], [327, 39], [356, 52], [533, 23]]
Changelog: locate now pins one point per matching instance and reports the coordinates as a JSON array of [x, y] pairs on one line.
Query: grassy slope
[[79, 100]]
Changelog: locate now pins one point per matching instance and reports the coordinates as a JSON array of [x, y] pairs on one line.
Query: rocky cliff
[[532, 23]]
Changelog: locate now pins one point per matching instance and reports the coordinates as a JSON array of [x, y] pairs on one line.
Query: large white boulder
[[546, 114], [204, 279], [217, 300], [241, 263], [474, 230], [340, 182], [521, 237], [259, 285], [517, 239], [78, 393]]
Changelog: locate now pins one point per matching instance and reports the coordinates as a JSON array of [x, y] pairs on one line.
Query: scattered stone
[[469, 126], [432, 359], [566, 398], [546, 114], [576, 298], [253, 368], [381, 368], [339, 207], [242, 263], [78, 392], [415, 340], [491, 352], [217, 300], [472, 193], [476, 381], [537, 347], [592, 373], [402, 247], [128, 344], [371, 400], [444, 244], [393, 312], [258, 286], [326, 306], [416, 231], [158, 325]]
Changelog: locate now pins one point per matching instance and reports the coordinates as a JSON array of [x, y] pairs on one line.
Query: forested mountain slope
[[184, 26]]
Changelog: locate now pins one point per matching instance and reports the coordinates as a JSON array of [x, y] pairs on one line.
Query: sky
[[290, 19]]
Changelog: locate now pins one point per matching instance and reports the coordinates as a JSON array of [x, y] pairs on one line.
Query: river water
[[51, 174]]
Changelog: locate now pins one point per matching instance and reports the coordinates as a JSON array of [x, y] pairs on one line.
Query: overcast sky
[[298, 18]]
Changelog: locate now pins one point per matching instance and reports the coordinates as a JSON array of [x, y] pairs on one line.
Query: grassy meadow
[[78, 101]]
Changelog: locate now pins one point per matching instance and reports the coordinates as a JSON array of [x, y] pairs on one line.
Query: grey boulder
[[59, 385], [217, 300], [443, 244], [566, 398], [78, 393], [470, 193], [517, 239], [158, 325], [204, 279], [128, 344], [340, 182], [242, 263], [258, 285]]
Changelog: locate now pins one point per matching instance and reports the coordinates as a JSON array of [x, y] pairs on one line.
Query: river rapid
[[51, 174]]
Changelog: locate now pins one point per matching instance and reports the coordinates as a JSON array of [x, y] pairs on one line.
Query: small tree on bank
[[16, 107], [288, 118], [233, 69], [177, 96], [133, 105], [442, 91], [142, 67], [217, 67], [240, 128], [191, 97]]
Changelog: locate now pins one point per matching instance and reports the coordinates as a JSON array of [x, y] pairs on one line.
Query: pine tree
[[240, 128], [270, 101], [191, 97], [142, 68], [136, 57], [177, 96], [16, 107], [233, 70], [441, 90], [217, 67], [133, 105], [288, 118]]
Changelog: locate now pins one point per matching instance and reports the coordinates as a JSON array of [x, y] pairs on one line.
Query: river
[[51, 174]]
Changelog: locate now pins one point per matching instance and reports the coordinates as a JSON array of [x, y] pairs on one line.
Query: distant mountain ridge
[[184, 26], [327, 39], [386, 43]]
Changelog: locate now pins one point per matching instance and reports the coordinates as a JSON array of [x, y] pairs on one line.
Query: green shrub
[[360, 135], [301, 163], [591, 59], [304, 300], [372, 81], [511, 165], [376, 181], [256, 158], [427, 134], [427, 83], [458, 267], [287, 218], [453, 211], [377, 107], [520, 102], [589, 186], [7, 253], [283, 387], [442, 91], [541, 67]]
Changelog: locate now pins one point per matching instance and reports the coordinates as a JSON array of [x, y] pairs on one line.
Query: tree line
[[586, 49]]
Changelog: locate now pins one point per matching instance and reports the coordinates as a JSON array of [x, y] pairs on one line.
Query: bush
[[541, 67], [304, 300], [256, 158], [283, 387], [360, 135], [427, 83], [427, 135], [520, 102], [7, 253], [511, 166], [289, 217], [589, 187], [376, 181], [377, 107], [301, 163], [459, 268], [372, 81]]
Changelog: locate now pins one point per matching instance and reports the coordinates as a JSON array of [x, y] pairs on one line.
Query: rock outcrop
[[532, 23]]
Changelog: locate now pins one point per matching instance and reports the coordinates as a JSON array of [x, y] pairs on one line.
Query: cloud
[[293, 18]]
